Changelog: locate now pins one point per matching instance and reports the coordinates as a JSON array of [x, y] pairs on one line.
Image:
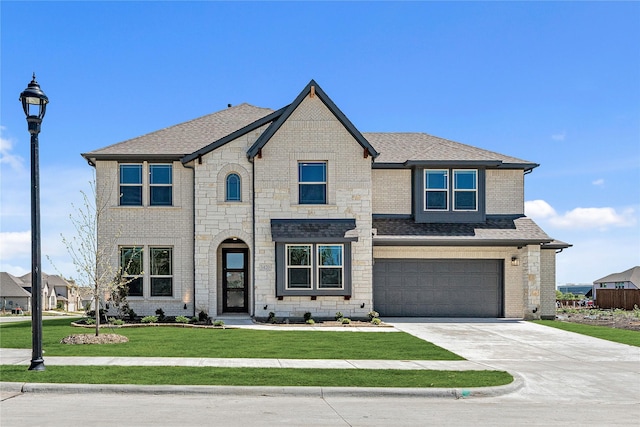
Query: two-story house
[[251, 210]]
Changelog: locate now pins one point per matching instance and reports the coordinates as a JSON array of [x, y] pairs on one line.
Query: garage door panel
[[438, 288]]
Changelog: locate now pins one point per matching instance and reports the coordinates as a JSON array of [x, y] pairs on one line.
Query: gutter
[[193, 252]]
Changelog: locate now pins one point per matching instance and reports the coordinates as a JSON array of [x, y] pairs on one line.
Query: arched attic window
[[233, 188]]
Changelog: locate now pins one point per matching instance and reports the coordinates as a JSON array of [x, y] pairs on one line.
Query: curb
[[321, 392]]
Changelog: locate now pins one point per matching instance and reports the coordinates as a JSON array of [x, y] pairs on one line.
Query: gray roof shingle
[[498, 228], [185, 138], [11, 286], [316, 230], [631, 275]]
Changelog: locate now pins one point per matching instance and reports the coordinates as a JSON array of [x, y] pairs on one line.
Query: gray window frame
[[315, 290]]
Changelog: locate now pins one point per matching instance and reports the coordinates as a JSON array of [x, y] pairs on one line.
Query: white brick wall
[[148, 226], [504, 191], [391, 191], [312, 133]]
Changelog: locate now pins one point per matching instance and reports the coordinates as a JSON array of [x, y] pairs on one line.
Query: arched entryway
[[233, 275]]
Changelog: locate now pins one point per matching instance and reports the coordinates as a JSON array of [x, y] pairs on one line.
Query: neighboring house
[[86, 298], [628, 279], [55, 289], [250, 210], [12, 293]]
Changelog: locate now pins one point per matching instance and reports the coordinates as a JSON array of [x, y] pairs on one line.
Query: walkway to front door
[[235, 283]]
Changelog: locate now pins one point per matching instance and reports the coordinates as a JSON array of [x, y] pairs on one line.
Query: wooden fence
[[618, 298]]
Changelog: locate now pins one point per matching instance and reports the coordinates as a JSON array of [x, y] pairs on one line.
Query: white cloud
[[598, 182], [15, 162], [559, 136], [581, 218], [14, 244]]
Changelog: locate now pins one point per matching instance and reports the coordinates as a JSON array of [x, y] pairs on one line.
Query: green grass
[[623, 336], [229, 343], [255, 376]]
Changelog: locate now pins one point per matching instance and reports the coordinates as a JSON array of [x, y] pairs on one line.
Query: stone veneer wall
[[504, 191], [514, 287], [312, 133], [391, 191], [146, 226], [548, 284]]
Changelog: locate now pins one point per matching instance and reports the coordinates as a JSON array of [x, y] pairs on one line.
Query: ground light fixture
[[34, 104]]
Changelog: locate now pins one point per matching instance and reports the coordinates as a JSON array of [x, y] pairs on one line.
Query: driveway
[[556, 365]]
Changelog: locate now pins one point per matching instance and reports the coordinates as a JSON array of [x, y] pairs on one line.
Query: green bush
[[346, 320], [338, 316], [114, 321], [376, 321], [182, 319], [218, 323], [373, 314], [307, 316], [149, 319], [90, 321], [310, 322]]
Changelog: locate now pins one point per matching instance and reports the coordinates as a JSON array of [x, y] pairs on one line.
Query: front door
[[235, 283]]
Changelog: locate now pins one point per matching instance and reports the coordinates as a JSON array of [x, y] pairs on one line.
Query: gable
[[312, 90]]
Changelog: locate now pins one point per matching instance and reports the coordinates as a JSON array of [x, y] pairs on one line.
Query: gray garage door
[[438, 288]]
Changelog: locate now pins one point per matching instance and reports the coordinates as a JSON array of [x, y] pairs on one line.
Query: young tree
[[92, 259]]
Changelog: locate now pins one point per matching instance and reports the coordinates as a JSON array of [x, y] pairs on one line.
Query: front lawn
[[228, 343], [153, 375], [623, 336]]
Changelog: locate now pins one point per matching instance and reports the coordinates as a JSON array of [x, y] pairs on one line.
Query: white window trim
[[453, 204], [325, 182], [308, 267], [446, 190], [318, 266], [161, 276]]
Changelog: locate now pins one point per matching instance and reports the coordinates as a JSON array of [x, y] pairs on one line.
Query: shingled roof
[[184, 138], [198, 136], [496, 229], [407, 147]]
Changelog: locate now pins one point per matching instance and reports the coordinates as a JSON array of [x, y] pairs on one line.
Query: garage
[[438, 288]]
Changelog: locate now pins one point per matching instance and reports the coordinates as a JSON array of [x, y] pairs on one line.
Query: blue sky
[[556, 83]]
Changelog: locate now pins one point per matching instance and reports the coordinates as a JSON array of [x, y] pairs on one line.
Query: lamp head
[[34, 101]]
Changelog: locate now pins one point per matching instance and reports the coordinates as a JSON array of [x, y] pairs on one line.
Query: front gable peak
[[311, 90]]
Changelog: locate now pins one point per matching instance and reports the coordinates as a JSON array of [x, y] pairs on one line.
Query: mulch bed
[[93, 339], [612, 320]]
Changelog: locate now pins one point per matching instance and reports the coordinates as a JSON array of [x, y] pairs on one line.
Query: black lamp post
[[34, 104]]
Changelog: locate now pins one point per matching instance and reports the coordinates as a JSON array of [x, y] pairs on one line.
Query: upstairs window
[[131, 269], [233, 188], [160, 185], [465, 190], [436, 189], [312, 183], [131, 185]]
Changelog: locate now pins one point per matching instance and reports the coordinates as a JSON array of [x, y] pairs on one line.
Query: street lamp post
[[34, 104]]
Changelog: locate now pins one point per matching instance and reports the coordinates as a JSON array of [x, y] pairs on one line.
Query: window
[[131, 269], [130, 185], [233, 188], [161, 276], [330, 266], [312, 183], [436, 189], [160, 188], [314, 267], [298, 266], [465, 190]]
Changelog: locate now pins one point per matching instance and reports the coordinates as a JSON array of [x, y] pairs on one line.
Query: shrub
[[194, 319], [272, 317], [90, 321], [149, 319], [218, 323], [307, 317], [203, 316], [182, 319], [160, 314], [346, 320], [131, 314], [310, 322], [376, 321], [373, 315], [339, 316], [114, 321]]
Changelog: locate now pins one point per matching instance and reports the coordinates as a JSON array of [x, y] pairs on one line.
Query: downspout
[[253, 240], [193, 208]]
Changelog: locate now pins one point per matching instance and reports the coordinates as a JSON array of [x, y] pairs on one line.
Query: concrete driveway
[[555, 365]]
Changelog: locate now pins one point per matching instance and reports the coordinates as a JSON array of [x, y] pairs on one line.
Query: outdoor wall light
[[515, 261], [34, 104]]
